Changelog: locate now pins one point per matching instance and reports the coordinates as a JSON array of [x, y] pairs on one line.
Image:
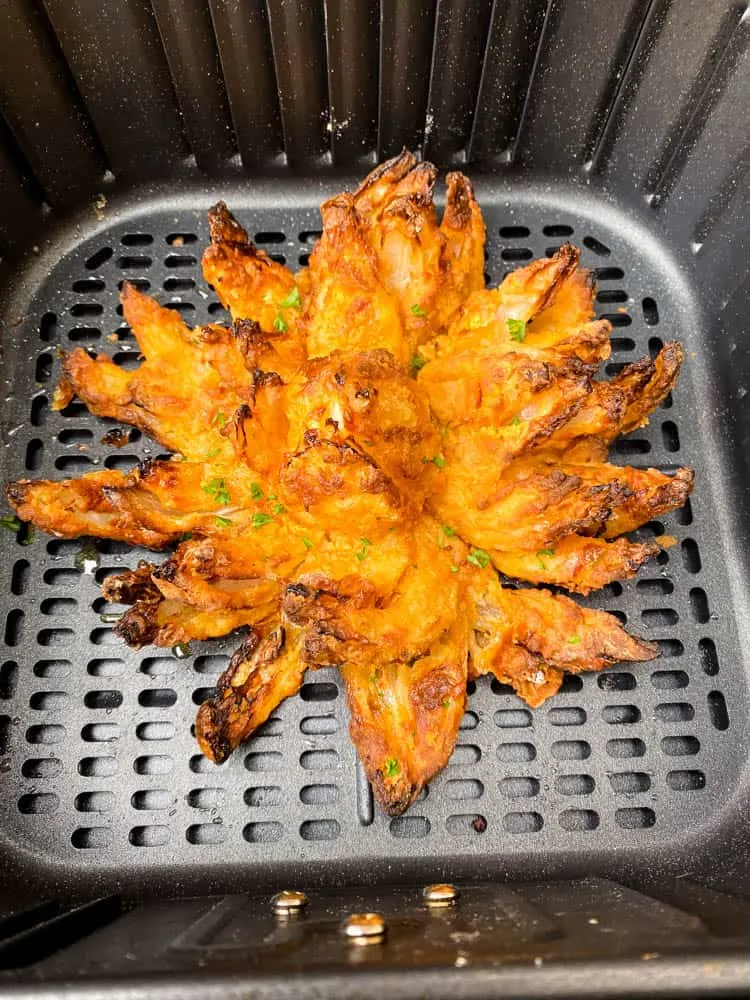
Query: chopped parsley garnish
[[306, 542], [517, 329], [446, 703], [574, 640], [439, 461], [258, 520], [186, 536], [418, 362], [375, 683], [516, 421], [219, 419], [217, 490], [361, 553], [417, 310], [292, 300], [278, 508], [30, 535], [448, 531], [280, 324], [454, 568], [541, 554], [256, 492], [392, 767], [10, 522], [222, 522], [213, 453], [479, 557]]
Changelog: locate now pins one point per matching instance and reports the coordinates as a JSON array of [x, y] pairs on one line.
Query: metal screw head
[[364, 928], [440, 894], [288, 903]]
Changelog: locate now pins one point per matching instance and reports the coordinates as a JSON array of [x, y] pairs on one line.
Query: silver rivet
[[440, 894], [364, 928], [288, 903]]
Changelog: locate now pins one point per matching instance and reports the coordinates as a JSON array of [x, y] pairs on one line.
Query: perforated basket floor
[[102, 781]]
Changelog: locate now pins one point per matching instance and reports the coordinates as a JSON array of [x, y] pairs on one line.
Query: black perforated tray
[[103, 784]]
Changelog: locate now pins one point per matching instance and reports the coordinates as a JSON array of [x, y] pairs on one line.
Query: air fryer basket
[[636, 776]]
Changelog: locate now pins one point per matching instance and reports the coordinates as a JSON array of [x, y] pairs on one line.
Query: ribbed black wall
[[646, 97]]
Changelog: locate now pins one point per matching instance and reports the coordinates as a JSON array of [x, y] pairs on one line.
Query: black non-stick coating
[[103, 782]]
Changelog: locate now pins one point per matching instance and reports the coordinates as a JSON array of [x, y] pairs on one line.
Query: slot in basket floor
[[103, 784]]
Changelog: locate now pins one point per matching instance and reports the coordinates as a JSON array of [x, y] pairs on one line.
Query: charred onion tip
[[17, 491]]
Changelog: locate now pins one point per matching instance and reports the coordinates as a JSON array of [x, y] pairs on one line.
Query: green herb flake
[[479, 558], [439, 461], [448, 531], [256, 492], [375, 683], [391, 768], [417, 310], [219, 419], [280, 324], [217, 490], [213, 453], [361, 553], [10, 522], [306, 542], [541, 555], [258, 520], [186, 536], [223, 522], [517, 329], [454, 568], [574, 640], [278, 508], [292, 300], [516, 422], [446, 702], [417, 362], [30, 536]]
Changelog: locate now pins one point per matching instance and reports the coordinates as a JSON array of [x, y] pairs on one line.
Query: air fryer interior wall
[[620, 127]]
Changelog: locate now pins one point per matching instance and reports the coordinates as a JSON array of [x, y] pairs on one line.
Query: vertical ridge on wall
[[535, 63], [655, 105], [123, 80], [241, 28], [298, 42], [714, 159], [37, 103], [406, 38], [19, 210], [643, 25], [190, 47], [461, 29], [711, 84], [575, 82], [352, 43], [513, 39]]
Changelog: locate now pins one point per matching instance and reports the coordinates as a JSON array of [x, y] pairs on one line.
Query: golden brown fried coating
[[405, 716], [261, 674], [164, 614], [348, 308], [620, 405], [187, 386], [529, 638], [248, 283], [82, 507], [578, 563], [351, 514]]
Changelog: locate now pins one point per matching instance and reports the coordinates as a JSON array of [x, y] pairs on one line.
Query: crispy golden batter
[[360, 452], [262, 673]]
